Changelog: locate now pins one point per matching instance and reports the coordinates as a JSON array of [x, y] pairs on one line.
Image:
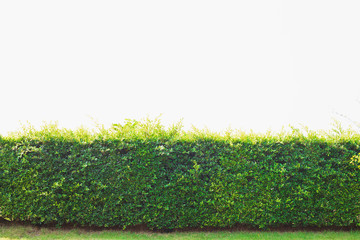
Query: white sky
[[255, 64]]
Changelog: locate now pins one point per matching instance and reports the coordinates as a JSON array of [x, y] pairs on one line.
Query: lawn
[[8, 232]]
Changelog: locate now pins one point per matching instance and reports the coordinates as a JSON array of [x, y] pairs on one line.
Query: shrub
[[140, 172]]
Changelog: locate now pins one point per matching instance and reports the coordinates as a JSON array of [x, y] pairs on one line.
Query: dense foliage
[[140, 172]]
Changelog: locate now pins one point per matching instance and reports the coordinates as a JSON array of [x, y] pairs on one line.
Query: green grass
[[29, 232]]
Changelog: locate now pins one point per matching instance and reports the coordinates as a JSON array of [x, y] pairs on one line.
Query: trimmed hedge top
[[142, 173]]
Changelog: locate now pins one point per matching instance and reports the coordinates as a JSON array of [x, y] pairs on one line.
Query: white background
[[256, 64]]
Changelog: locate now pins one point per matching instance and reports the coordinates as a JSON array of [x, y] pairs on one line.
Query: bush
[[142, 173]]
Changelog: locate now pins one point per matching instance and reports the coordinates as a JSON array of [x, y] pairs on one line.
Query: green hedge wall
[[142, 173]]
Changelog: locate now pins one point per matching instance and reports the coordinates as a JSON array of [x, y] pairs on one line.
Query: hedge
[[140, 172]]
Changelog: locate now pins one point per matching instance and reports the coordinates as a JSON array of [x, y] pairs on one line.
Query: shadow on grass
[[144, 229]]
